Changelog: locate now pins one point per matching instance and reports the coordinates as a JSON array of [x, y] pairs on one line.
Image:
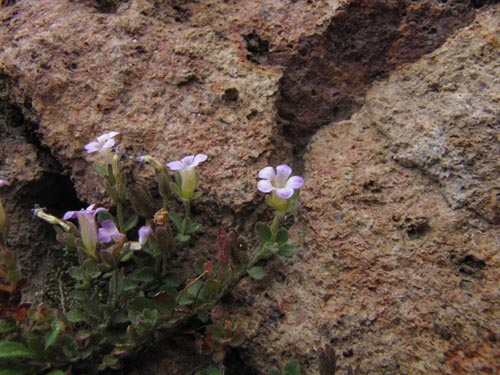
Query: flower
[[144, 233], [109, 232], [187, 163], [88, 227], [103, 146], [4, 182], [279, 181], [104, 142], [189, 178]]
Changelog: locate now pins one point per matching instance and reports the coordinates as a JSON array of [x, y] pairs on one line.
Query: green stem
[[185, 222], [114, 297], [275, 224], [163, 185], [119, 215]]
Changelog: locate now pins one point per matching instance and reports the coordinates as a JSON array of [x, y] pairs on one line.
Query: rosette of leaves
[[221, 336]]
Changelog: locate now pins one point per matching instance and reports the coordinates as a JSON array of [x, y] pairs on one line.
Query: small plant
[[124, 295]]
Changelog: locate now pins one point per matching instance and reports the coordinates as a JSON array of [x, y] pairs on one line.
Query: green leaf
[[208, 292], [76, 273], [7, 325], [287, 250], [79, 295], [196, 195], [176, 189], [203, 316], [292, 367], [130, 223], [281, 236], [237, 340], [164, 302], [15, 372], [75, 316], [11, 350], [138, 304], [192, 228], [111, 175], [257, 273], [143, 275], [178, 179], [100, 170], [275, 372], [198, 265], [182, 239], [176, 219], [194, 289], [263, 232], [185, 299], [51, 336], [56, 372], [91, 268], [271, 247]]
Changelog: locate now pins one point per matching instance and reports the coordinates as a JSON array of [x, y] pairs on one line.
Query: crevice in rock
[[104, 6], [50, 188], [326, 77], [482, 3]]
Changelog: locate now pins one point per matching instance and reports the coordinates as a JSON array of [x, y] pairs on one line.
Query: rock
[[163, 86], [388, 271], [442, 116], [398, 265]]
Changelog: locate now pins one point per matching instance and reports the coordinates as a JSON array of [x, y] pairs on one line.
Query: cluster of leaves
[[124, 296]]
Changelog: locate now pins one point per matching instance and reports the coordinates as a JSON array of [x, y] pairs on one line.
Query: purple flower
[[279, 181], [144, 233], [187, 163], [4, 182], [104, 143], [88, 227], [109, 232], [88, 211]]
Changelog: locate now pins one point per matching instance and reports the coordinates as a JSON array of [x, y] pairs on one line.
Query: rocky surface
[[389, 107]]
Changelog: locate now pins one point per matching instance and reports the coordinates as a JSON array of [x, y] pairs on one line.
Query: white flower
[[279, 181], [103, 144], [189, 177]]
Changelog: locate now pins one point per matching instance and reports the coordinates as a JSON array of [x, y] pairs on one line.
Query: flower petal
[[187, 161], [283, 172], [267, 173], [4, 182], [70, 215], [103, 236], [200, 158], [106, 137], [144, 233], [285, 193], [92, 147], [109, 143], [295, 182], [175, 166], [265, 186]]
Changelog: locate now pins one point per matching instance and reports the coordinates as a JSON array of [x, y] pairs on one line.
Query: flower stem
[[185, 222], [119, 215], [276, 223]]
